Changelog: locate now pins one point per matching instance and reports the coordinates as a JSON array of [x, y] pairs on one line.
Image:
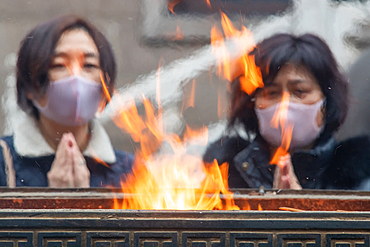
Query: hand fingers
[[81, 173], [285, 182], [63, 147], [60, 174], [277, 176], [69, 167], [287, 165], [284, 177]]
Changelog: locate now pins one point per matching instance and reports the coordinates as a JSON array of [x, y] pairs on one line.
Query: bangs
[[301, 55]]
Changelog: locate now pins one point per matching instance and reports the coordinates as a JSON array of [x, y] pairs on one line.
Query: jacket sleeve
[[350, 166]]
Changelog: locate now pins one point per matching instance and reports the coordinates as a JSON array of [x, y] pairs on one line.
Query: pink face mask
[[301, 116], [72, 100]]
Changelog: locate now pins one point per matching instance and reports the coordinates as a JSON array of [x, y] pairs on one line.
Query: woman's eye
[[300, 92], [272, 93], [90, 66], [57, 66]]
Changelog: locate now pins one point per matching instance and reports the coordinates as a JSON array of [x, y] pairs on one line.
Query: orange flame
[[252, 78], [179, 34], [171, 4], [158, 192], [105, 88], [244, 67], [196, 133], [169, 181], [223, 68], [246, 206], [98, 159], [279, 119], [175, 179], [228, 26]]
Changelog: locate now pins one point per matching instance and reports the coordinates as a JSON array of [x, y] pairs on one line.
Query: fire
[[165, 175], [223, 69], [174, 180], [195, 133], [169, 181], [208, 3], [171, 4], [179, 34], [168, 184], [252, 77], [278, 119], [246, 206], [105, 89], [244, 67]]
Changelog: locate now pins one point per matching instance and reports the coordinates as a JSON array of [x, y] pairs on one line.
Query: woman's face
[[296, 80], [75, 54]]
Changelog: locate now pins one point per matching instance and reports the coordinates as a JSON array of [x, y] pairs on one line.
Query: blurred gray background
[[144, 33]]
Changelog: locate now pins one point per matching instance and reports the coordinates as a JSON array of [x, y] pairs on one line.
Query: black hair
[[36, 52], [307, 50]]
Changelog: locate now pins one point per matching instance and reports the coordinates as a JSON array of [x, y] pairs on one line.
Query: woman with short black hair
[[63, 66], [304, 69], [37, 50]]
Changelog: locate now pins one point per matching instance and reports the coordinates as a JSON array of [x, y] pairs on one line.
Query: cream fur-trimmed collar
[[29, 142]]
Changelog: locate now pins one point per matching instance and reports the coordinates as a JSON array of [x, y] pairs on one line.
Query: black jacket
[[32, 171], [329, 165]]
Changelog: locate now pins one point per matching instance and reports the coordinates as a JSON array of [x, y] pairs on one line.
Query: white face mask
[[72, 100], [303, 119]]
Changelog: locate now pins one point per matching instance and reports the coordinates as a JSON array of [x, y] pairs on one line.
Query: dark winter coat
[[329, 165], [32, 171], [32, 157]]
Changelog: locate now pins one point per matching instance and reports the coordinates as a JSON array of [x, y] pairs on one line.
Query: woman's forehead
[[292, 72], [76, 42]]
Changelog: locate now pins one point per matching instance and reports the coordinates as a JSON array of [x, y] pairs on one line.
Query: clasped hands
[[284, 177], [68, 169]]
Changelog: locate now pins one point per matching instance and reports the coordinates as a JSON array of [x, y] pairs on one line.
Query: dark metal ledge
[[108, 227]]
